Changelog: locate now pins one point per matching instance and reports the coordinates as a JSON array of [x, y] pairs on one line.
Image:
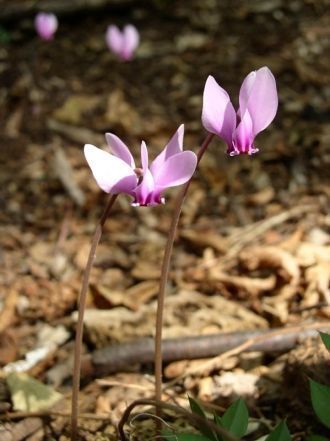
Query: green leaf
[[191, 437], [236, 418], [172, 436], [218, 422], [317, 438], [4, 36], [203, 428], [320, 395], [325, 339], [196, 407], [280, 433]]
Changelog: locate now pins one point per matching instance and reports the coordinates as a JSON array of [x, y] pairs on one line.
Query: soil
[[252, 251]]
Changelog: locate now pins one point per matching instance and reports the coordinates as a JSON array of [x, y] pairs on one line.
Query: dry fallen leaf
[[272, 257], [229, 384], [74, 107], [29, 394], [121, 113]]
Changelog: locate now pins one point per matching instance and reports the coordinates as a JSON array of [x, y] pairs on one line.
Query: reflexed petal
[[143, 192], [245, 91], [144, 157], [131, 40], [259, 96], [111, 173], [173, 147], [243, 136], [177, 170], [218, 115], [120, 149], [114, 39]]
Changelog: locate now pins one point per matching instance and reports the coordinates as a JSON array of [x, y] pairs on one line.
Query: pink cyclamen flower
[[117, 173], [46, 25], [122, 43], [258, 103]]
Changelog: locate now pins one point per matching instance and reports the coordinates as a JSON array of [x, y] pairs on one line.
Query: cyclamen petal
[[243, 137], [144, 157], [111, 173], [259, 96], [245, 91], [218, 114], [120, 149], [46, 25], [114, 39], [173, 147], [176, 170], [131, 40], [144, 192]]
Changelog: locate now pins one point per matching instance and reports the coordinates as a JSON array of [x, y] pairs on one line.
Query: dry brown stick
[[119, 357], [302, 331]]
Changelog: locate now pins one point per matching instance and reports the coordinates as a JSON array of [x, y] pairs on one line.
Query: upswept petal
[[144, 191], [120, 149], [173, 147], [243, 136], [114, 39], [176, 170], [245, 91], [218, 114], [131, 40], [259, 96], [112, 174], [144, 157]]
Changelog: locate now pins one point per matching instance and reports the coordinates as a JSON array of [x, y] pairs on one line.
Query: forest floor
[[252, 251]]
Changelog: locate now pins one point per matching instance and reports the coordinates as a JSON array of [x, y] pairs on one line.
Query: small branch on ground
[[115, 358]]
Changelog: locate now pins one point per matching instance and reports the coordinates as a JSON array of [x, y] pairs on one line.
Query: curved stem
[[164, 277], [193, 418], [80, 321]]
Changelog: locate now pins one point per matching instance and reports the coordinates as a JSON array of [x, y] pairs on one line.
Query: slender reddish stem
[[80, 321], [164, 277]]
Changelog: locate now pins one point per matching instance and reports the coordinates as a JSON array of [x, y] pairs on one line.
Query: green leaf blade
[[320, 395], [280, 433], [203, 428], [317, 438], [326, 339], [172, 436], [236, 418]]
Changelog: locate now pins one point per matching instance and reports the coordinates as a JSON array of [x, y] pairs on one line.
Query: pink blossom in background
[[46, 25], [258, 103], [122, 43], [117, 173]]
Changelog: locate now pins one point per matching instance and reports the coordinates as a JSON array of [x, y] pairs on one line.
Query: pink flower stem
[[163, 281], [80, 322]]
